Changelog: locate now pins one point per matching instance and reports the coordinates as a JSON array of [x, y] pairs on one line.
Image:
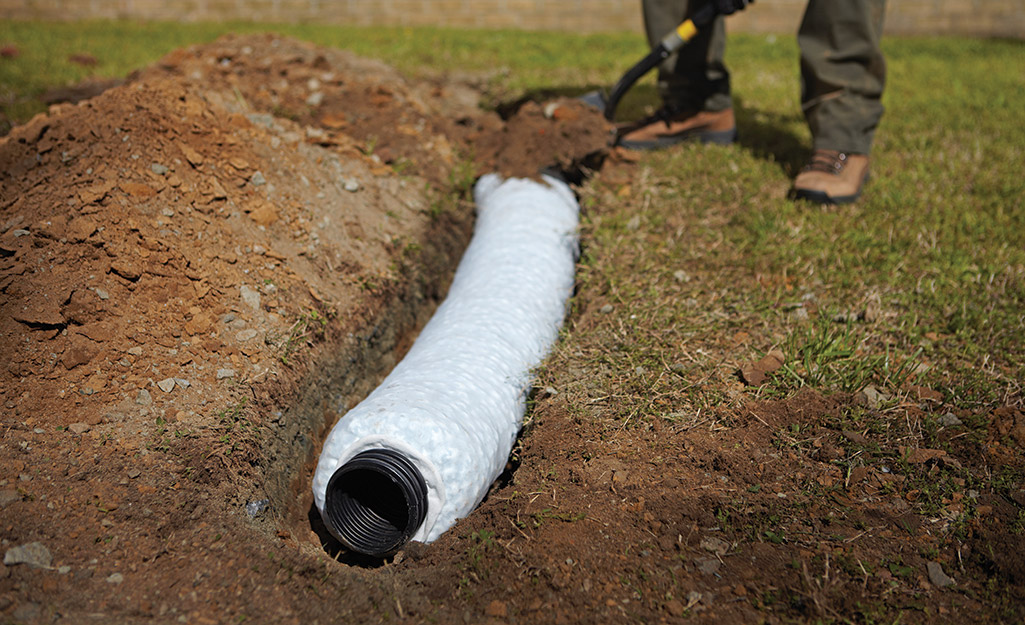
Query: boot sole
[[821, 197], [717, 137]]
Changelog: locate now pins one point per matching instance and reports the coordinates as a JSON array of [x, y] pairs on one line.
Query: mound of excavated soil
[[170, 230]]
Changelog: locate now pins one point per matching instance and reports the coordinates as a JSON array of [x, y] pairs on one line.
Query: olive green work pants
[[842, 67]]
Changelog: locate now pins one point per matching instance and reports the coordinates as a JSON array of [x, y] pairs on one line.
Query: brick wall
[[1001, 18]]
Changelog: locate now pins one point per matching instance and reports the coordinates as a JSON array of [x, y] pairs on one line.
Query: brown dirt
[[201, 268]]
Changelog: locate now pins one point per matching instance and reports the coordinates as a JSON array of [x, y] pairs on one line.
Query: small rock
[[246, 335], [799, 314], [254, 508], [257, 179], [681, 276], [352, 186], [182, 382], [938, 578], [34, 554], [135, 351], [79, 428], [143, 398], [714, 545], [315, 99], [708, 566], [250, 297], [949, 420], [870, 397], [115, 578], [134, 473], [606, 309], [64, 570], [102, 294], [225, 373], [159, 169], [8, 497], [166, 385]]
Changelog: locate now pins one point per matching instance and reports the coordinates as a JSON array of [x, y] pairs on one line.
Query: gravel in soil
[[202, 267]]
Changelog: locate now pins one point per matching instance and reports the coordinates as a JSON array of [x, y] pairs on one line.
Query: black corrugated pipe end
[[376, 501]]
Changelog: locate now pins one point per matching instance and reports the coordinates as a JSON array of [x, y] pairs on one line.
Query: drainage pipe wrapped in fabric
[[423, 448]]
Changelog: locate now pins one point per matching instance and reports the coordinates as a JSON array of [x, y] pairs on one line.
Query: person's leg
[[693, 83], [695, 78], [842, 77]]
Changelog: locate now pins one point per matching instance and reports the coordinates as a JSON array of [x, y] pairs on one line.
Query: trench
[[423, 449], [342, 371]]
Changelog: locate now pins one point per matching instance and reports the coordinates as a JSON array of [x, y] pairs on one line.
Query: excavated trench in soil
[[343, 374], [219, 257]]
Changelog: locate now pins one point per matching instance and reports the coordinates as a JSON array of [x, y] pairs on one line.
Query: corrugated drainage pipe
[[423, 448]]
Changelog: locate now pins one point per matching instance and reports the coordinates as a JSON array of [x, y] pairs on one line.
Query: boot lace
[[827, 161]]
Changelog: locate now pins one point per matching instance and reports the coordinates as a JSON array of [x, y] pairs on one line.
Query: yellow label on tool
[[686, 30]]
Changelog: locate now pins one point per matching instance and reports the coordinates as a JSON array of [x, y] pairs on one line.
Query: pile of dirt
[[564, 135], [164, 231], [426, 127]]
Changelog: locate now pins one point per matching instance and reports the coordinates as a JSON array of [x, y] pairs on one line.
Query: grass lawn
[[697, 262]]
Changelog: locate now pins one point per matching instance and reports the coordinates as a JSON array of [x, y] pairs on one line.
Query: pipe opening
[[376, 502]]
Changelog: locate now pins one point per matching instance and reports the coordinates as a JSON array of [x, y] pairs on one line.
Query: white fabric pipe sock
[[454, 404]]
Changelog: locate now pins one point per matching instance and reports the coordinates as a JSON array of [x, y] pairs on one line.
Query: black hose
[[376, 502], [632, 75], [701, 18]]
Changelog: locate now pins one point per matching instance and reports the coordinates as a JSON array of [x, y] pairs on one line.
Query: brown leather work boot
[[668, 127], [831, 177]]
